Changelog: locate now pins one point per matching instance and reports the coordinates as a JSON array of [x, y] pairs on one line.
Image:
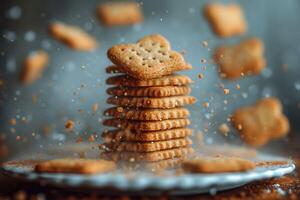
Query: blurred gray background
[[74, 81]]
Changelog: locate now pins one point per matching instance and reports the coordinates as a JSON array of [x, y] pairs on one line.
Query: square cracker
[[120, 13], [217, 165], [74, 165], [226, 20]]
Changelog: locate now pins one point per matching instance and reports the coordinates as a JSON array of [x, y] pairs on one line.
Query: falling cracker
[[33, 67]]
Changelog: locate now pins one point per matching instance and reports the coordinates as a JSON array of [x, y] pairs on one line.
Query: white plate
[[142, 181]]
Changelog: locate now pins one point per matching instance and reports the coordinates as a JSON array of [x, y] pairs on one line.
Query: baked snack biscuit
[[244, 58], [75, 165], [173, 80], [147, 125], [120, 13], [261, 122], [217, 165], [151, 57], [73, 36], [226, 20], [148, 146], [147, 114], [33, 67], [157, 91], [149, 156], [148, 102], [152, 136]]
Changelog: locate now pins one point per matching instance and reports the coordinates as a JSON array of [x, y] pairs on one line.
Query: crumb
[[94, 107], [238, 86], [205, 44], [206, 104], [224, 129], [203, 61], [226, 91], [69, 125], [200, 76], [13, 121]]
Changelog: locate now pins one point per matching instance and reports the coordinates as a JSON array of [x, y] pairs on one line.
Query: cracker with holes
[[226, 20], [33, 67], [217, 165], [75, 165], [139, 136], [151, 57], [244, 58], [120, 13], [261, 122], [158, 91], [73, 36], [170, 80]]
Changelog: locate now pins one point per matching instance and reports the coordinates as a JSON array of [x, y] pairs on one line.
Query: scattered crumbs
[[226, 91], [203, 61], [225, 102], [94, 107], [224, 129], [200, 76], [13, 121], [204, 43], [131, 160], [69, 125], [238, 86], [206, 104]]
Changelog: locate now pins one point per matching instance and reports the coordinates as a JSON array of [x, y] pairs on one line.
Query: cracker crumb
[[203, 61], [224, 129], [120, 109], [238, 86], [239, 126], [13, 121], [204, 43], [226, 91], [69, 125], [94, 107], [206, 104], [200, 76]]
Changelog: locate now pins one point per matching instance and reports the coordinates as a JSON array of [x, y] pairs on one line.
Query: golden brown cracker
[[73, 36], [226, 20], [152, 136], [159, 91], [149, 156], [33, 67], [120, 13], [147, 125], [170, 80], [147, 114], [244, 58], [217, 165], [151, 57], [148, 146], [74, 165], [148, 102], [261, 122]]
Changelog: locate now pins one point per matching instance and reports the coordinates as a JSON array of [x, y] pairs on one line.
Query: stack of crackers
[[148, 114]]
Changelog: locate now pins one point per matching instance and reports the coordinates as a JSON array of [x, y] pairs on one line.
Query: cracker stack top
[[149, 115], [151, 57]]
